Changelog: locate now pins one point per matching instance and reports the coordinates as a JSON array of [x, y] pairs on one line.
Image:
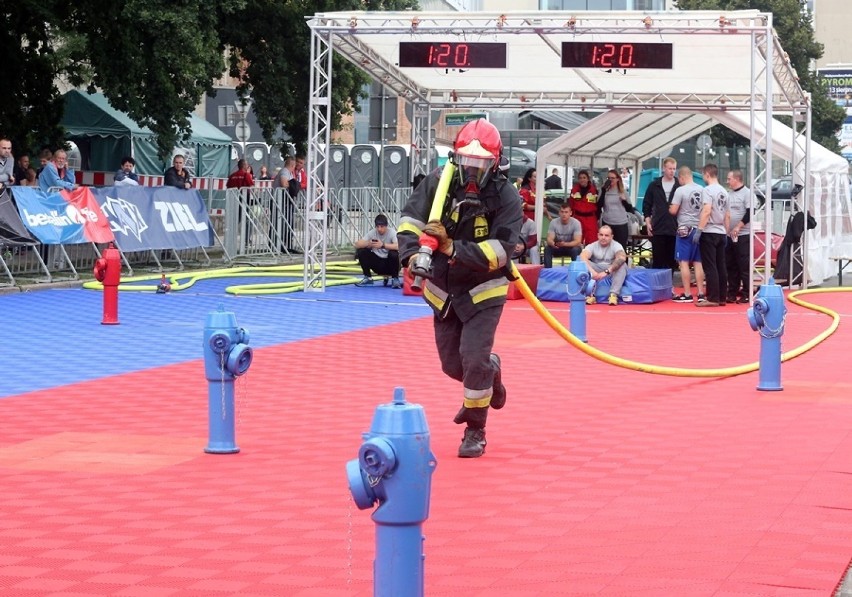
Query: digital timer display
[[417, 54], [618, 55]]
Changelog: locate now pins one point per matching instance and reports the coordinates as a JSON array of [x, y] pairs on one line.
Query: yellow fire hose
[[422, 260], [677, 371]]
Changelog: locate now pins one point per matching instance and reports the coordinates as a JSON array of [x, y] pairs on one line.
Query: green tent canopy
[[104, 135]]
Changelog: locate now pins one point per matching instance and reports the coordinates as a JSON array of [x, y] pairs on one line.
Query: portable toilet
[[338, 166], [363, 166], [396, 167], [256, 154]]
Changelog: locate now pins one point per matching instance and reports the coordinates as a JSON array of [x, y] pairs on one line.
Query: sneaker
[[613, 300], [701, 298], [706, 303], [473, 443], [395, 283], [365, 281], [591, 300], [682, 298], [385, 281], [731, 299], [743, 300], [498, 394]]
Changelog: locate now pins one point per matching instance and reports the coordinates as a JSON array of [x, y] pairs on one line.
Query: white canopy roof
[[623, 136]]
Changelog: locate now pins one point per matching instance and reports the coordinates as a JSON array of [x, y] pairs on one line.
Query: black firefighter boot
[[473, 442], [498, 396]]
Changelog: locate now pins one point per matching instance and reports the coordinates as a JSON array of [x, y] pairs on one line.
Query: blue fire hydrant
[[767, 317], [226, 357], [394, 468], [580, 285]]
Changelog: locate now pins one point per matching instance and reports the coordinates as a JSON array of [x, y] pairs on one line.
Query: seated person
[[177, 176], [564, 237], [528, 239], [126, 177], [378, 251], [605, 257]]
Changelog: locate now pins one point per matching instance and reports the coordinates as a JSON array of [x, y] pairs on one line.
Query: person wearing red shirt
[[242, 177], [527, 193], [300, 174], [584, 203]]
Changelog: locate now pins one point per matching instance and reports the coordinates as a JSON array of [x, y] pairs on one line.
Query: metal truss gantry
[[362, 38]]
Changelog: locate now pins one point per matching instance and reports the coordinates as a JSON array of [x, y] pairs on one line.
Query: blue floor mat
[[62, 341]]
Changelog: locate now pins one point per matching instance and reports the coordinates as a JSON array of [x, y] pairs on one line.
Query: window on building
[[227, 116]]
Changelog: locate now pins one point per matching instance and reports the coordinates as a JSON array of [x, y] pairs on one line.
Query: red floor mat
[[596, 480]]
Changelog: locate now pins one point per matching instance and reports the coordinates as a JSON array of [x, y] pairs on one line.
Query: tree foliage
[[156, 59], [794, 24], [271, 56]]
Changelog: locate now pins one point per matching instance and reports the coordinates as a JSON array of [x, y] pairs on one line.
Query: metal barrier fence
[[251, 225], [268, 225]]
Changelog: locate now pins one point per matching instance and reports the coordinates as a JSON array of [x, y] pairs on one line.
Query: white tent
[[627, 137]]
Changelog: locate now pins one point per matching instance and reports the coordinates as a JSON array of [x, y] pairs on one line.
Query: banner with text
[[65, 218], [144, 218]]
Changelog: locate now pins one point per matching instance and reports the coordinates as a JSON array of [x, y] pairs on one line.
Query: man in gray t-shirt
[[378, 252], [564, 237], [605, 257], [711, 237], [738, 260], [686, 205]]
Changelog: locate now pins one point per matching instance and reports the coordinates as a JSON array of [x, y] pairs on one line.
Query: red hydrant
[[108, 272]]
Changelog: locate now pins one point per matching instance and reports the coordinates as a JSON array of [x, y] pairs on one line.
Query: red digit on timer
[[603, 55], [461, 55], [439, 54], [625, 55]]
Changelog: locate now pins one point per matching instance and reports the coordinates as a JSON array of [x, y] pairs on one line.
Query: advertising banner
[[839, 82], [144, 218], [66, 218], [12, 229]]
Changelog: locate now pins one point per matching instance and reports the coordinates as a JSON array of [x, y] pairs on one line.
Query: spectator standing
[[125, 176], [378, 252], [475, 237], [56, 173], [660, 224], [527, 192], [686, 206], [553, 181], [264, 174], [614, 207], [527, 241], [564, 237], [241, 177], [285, 179], [584, 204], [300, 174], [713, 226], [177, 176], [22, 168], [605, 257], [7, 163], [738, 263]]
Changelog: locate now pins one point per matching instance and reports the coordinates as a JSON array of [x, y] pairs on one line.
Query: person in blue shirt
[[56, 173]]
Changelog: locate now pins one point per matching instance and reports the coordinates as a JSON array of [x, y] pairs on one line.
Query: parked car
[[520, 160], [783, 189]]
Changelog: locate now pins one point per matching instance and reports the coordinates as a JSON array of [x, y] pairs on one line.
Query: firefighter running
[[475, 235]]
